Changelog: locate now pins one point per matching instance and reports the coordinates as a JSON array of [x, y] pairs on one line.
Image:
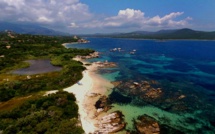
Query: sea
[[183, 71]]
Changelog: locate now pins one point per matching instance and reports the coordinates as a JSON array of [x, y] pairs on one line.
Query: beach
[[91, 83]]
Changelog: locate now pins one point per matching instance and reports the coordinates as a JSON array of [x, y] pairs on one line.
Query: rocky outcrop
[[153, 93], [111, 123], [147, 125], [143, 89], [106, 64], [102, 104], [116, 83], [90, 56]]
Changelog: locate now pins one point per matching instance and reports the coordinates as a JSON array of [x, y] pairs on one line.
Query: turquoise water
[[167, 118], [111, 76], [179, 68]]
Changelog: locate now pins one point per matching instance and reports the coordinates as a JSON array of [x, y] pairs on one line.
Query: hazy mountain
[[164, 34], [28, 29], [141, 33], [166, 31]]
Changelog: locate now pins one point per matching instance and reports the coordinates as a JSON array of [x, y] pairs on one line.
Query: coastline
[[132, 112], [91, 83], [64, 44]]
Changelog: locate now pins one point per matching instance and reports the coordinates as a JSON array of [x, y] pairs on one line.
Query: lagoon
[[37, 67]]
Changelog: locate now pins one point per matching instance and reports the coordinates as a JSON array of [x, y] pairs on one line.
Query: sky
[[110, 16]]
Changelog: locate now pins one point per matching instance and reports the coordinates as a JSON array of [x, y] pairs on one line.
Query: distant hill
[[28, 29], [164, 34]]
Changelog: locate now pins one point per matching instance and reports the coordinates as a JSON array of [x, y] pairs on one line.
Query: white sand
[[80, 92], [90, 83]]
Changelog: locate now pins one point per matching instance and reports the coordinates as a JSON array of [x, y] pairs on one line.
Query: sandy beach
[[91, 83]]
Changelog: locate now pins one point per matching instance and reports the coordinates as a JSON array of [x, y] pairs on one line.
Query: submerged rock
[[143, 89], [116, 97], [144, 92], [106, 64], [116, 83], [153, 93], [147, 125]]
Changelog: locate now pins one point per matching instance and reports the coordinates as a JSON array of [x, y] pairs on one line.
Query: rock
[[181, 97], [111, 123], [145, 83], [103, 103], [153, 93], [136, 83], [154, 82], [106, 64], [100, 110], [147, 125], [90, 56], [116, 83]]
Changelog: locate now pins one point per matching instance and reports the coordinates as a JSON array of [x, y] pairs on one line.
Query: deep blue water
[[178, 67]]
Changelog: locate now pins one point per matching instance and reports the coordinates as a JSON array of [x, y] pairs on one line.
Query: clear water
[[179, 67]]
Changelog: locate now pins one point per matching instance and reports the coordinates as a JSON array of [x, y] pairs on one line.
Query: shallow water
[[179, 68], [37, 67]]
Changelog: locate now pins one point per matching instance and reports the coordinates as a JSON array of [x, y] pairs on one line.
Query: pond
[[37, 67]]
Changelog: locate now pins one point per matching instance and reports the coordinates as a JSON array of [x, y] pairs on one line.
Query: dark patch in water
[[208, 128], [211, 97], [207, 86], [164, 129], [191, 120], [179, 66], [212, 123], [155, 76], [116, 97], [146, 66], [210, 69], [133, 68]]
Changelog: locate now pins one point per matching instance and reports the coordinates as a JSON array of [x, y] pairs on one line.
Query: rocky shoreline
[[106, 122]]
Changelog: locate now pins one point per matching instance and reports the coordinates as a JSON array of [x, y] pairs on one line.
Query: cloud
[[73, 25], [71, 15], [44, 19], [54, 12], [167, 20], [130, 18]]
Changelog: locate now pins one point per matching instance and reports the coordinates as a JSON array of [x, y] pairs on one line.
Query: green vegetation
[[23, 109], [56, 113], [25, 47]]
